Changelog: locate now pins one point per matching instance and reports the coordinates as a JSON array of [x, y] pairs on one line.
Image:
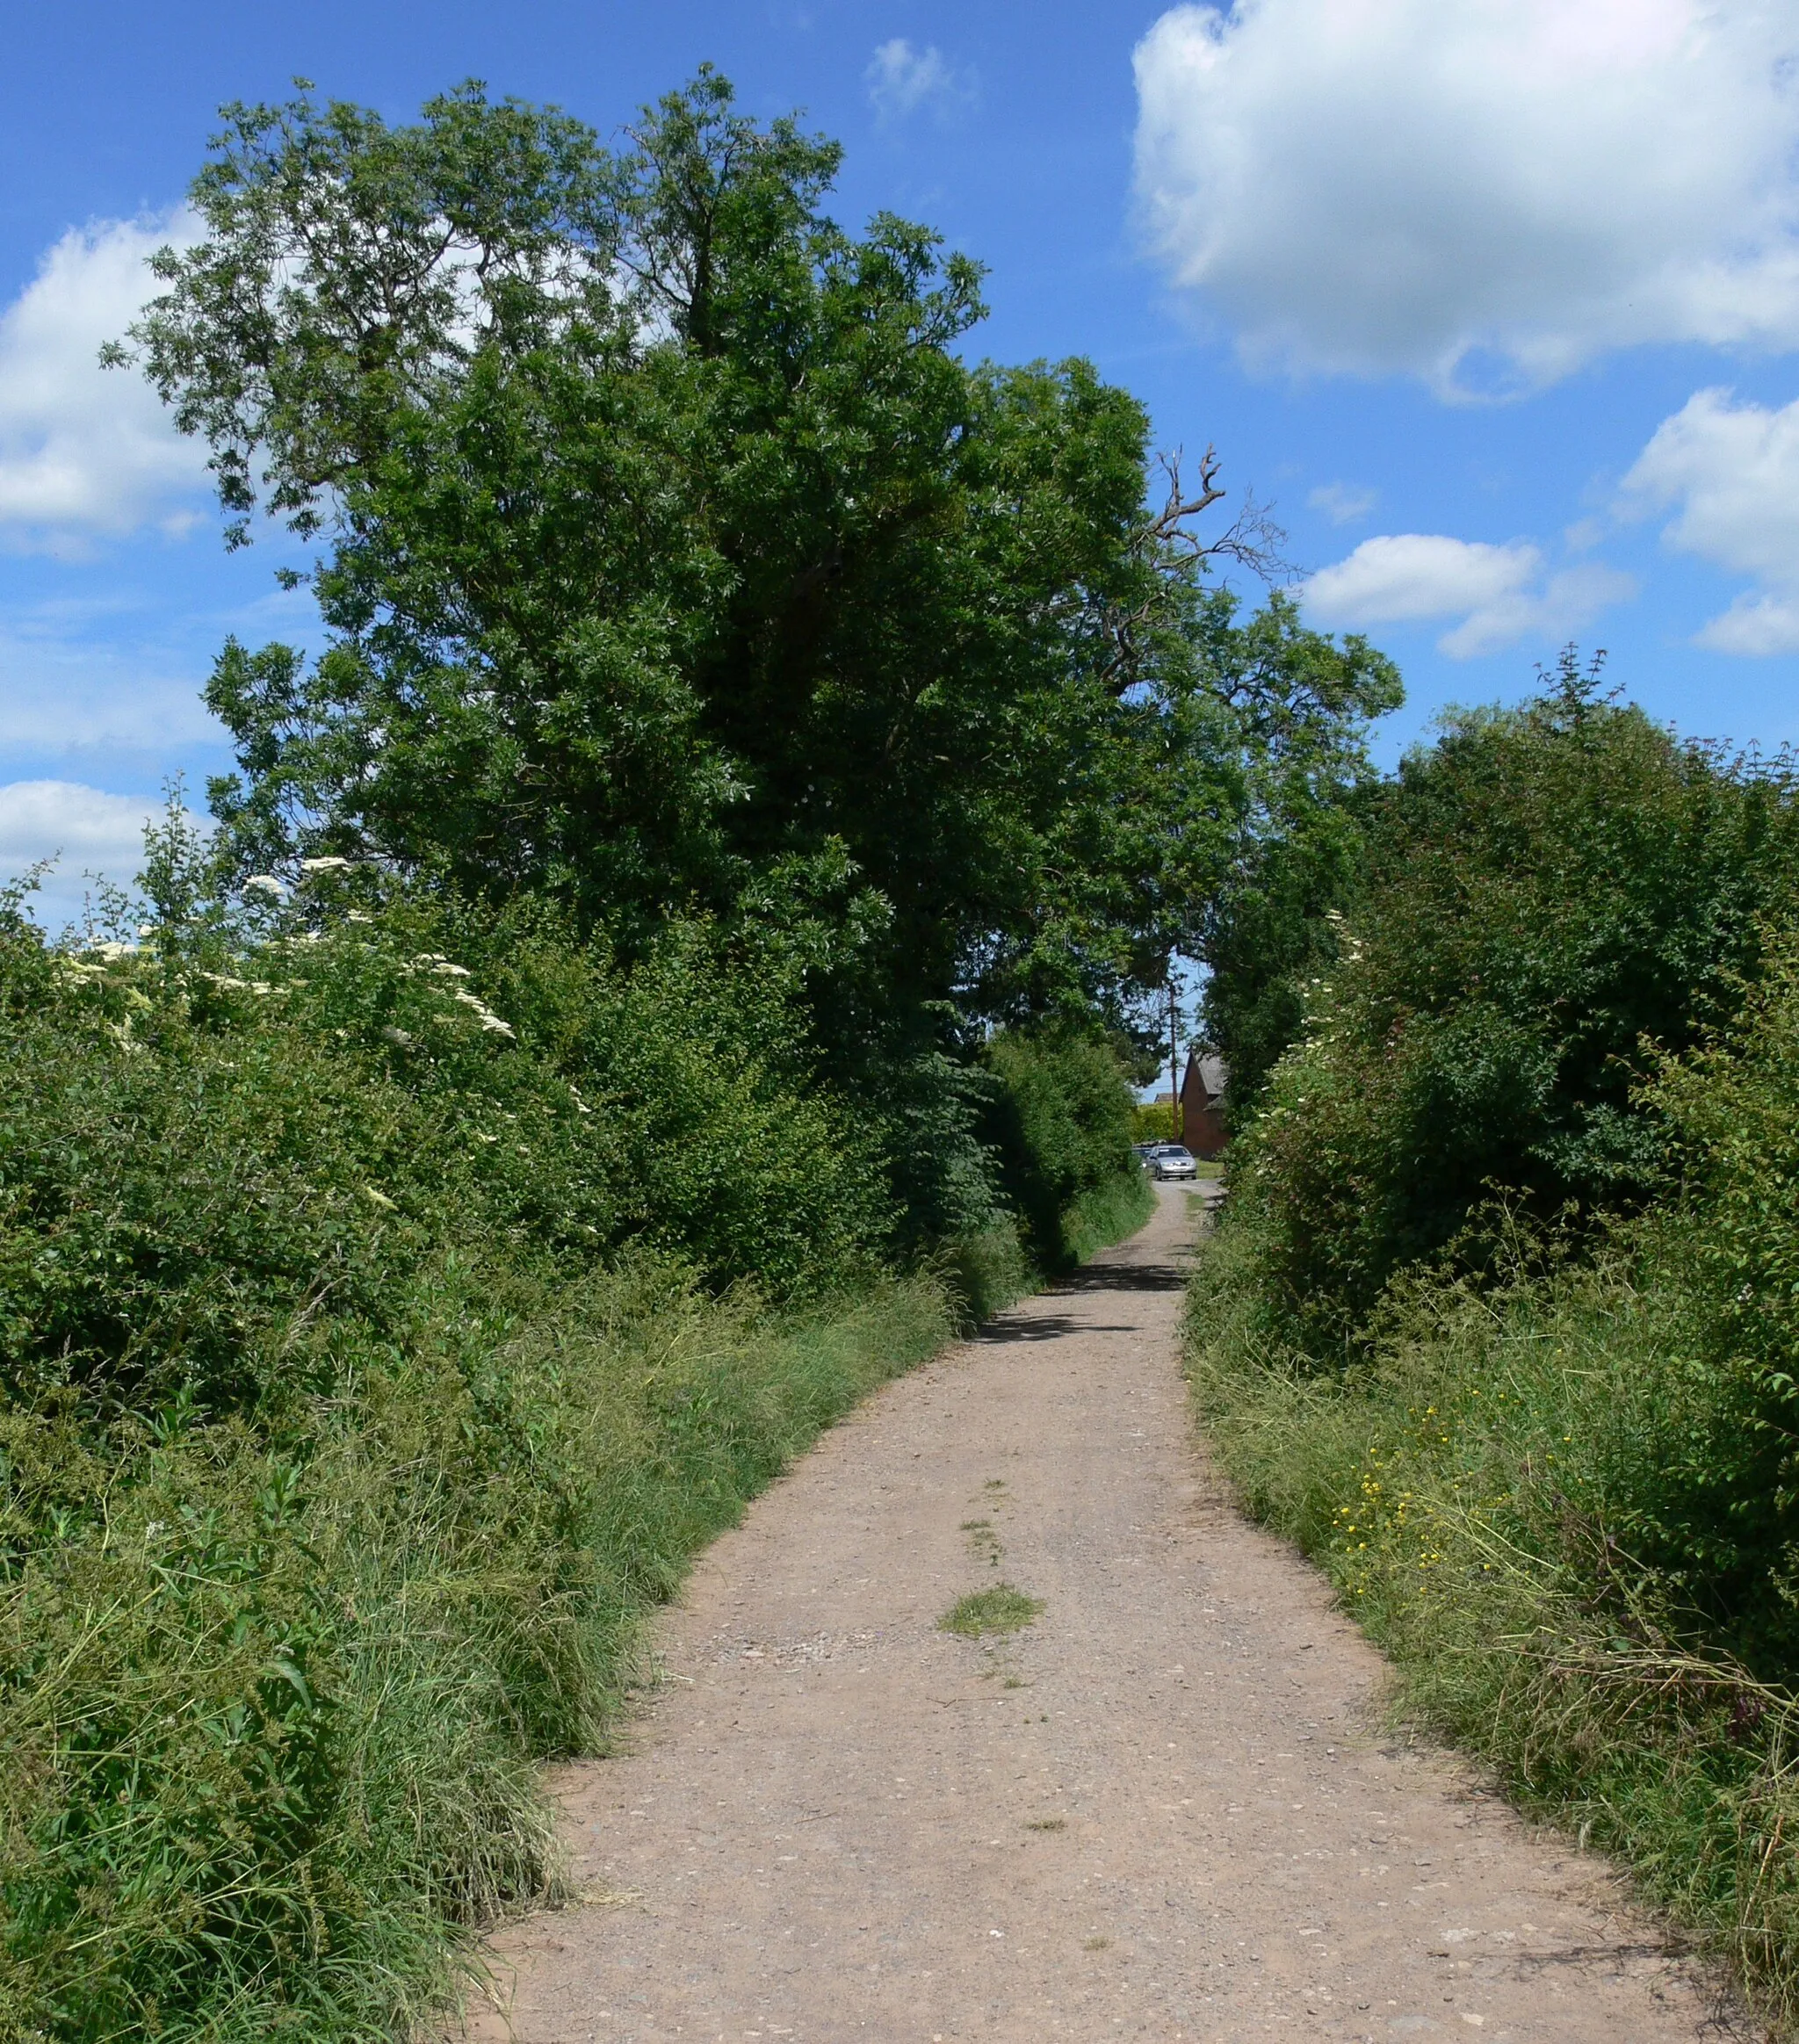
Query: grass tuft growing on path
[[992, 1613]]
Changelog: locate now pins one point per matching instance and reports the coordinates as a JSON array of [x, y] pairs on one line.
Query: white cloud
[[1731, 470], [1754, 626], [87, 832], [120, 672], [1341, 504], [902, 78], [87, 451], [81, 826], [1500, 593], [100, 677], [58, 702], [1491, 191]]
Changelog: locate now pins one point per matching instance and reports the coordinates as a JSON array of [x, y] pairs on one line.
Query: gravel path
[[1166, 1810]]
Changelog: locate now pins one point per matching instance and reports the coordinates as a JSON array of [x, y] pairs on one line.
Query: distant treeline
[[1504, 1325]]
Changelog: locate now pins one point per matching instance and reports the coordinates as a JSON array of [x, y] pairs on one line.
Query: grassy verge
[[276, 1704], [1476, 1490], [276, 1760], [1108, 1213], [986, 1273]]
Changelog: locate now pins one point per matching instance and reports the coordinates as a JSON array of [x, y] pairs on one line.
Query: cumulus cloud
[[1488, 192], [902, 78], [1730, 472], [89, 833], [1501, 593], [1341, 504], [45, 820], [87, 451]]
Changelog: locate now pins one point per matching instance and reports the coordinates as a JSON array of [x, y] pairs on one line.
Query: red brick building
[[1202, 1103]]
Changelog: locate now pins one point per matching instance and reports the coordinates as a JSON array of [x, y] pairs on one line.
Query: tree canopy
[[675, 558]]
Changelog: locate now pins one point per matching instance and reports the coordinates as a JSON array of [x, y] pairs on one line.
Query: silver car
[[1170, 1160]]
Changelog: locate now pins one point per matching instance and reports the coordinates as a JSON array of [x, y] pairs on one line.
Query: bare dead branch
[[1253, 539], [1173, 546], [1169, 525]]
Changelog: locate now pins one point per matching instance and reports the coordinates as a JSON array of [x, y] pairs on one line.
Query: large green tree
[[675, 557]]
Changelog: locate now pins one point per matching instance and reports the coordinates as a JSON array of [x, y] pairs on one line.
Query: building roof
[[1212, 1071]]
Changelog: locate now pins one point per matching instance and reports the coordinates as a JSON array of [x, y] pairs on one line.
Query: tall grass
[[1106, 1212], [274, 1707], [1489, 1488]]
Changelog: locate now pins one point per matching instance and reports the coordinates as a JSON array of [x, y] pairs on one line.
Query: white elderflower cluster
[[483, 1014], [442, 968], [233, 985]]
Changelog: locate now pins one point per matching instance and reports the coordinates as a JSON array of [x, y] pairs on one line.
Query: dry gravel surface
[[1169, 1809]]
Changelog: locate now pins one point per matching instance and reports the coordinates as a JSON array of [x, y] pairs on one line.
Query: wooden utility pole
[[1175, 1116]]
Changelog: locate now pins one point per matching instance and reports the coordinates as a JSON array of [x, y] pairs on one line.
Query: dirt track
[[1167, 1810]]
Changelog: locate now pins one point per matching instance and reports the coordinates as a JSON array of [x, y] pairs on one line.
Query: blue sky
[[1498, 300]]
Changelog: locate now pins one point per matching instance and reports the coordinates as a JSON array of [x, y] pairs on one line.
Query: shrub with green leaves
[[361, 1386], [1501, 1324], [1555, 1495], [1059, 1121], [394, 1295], [1720, 1517], [1557, 896], [195, 1155]]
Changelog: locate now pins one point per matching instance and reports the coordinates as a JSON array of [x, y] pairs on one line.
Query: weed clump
[[992, 1613]]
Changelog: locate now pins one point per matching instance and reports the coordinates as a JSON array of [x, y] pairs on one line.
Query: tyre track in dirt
[[1170, 1810]]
